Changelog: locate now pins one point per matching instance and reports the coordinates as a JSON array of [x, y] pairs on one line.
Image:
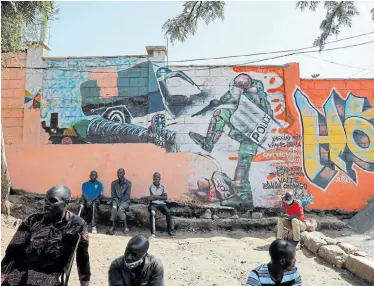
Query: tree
[[5, 179], [338, 14], [20, 22], [184, 24]]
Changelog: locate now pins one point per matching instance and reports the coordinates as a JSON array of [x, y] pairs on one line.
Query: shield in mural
[[250, 120]]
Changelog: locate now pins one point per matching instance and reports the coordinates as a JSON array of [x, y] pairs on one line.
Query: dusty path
[[214, 258]]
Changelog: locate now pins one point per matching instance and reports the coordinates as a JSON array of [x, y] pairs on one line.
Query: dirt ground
[[213, 258]]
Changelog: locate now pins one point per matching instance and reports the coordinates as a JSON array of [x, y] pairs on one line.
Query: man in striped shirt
[[157, 198], [281, 271]]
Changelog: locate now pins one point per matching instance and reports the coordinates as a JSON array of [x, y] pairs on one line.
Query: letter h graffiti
[[343, 136]]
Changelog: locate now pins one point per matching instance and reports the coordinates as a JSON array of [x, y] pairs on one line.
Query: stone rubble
[[257, 215], [361, 266], [342, 255], [333, 254]]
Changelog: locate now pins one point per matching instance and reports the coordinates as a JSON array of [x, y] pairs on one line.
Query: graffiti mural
[[338, 139], [32, 101], [231, 118], [232, 127], [244, 135]]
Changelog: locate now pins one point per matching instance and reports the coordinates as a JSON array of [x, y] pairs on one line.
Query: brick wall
[[13, 80], [319, 89], [105, 113]]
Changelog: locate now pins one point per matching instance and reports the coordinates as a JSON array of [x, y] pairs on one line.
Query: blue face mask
[[289, 202]]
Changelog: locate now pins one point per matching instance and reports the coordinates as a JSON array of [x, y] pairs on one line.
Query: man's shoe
[[111, 230], [152, 236], [171, 234], [94, 230]]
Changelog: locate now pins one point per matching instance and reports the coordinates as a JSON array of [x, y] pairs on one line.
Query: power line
[[205, 68], [315, 51], [250, 55], [268, 53], [362, 70], [367, 73], [339, 64]]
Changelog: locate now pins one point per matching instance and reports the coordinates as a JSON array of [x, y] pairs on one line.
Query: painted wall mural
[[247, 148], [338, 139]]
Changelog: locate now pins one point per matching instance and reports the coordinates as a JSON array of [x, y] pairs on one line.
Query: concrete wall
[[220, 135]]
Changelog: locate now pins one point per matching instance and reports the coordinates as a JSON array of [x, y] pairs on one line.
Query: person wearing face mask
[[157, 198], [281, 270], [43, 243], [136, 267], [293, 218], [92, 192]]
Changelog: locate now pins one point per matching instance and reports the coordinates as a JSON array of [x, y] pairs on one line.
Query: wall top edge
[[338, 78], [92, 57]]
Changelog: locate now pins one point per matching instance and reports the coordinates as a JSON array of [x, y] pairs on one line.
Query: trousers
[[119, 211], [295, 225], [152, 216], [92, 213]]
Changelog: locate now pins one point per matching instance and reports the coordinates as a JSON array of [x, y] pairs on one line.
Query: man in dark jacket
[[136, 267], [42, 245], [121, 191]]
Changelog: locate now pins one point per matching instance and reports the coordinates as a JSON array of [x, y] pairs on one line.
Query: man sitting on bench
[[157, 197], [92, 192]]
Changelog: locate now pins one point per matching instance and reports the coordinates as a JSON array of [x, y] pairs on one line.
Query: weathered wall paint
[[220, 135]]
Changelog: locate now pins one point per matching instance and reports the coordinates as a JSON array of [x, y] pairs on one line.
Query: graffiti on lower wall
[[338, 139]]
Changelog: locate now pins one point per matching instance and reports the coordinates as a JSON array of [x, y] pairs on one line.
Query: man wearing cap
[[136, 267], [293, 218]]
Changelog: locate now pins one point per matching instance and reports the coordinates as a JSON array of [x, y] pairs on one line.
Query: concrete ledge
[[186, 215], [361, 266], [241, 223]]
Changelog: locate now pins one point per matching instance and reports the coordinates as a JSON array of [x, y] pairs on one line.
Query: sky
[[126, 28]]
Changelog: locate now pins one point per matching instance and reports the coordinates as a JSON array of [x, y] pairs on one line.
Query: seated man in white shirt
[[157, 198]]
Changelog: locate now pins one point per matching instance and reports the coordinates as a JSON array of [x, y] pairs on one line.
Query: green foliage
[[184, 24], [338, 14], [21, 21]]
